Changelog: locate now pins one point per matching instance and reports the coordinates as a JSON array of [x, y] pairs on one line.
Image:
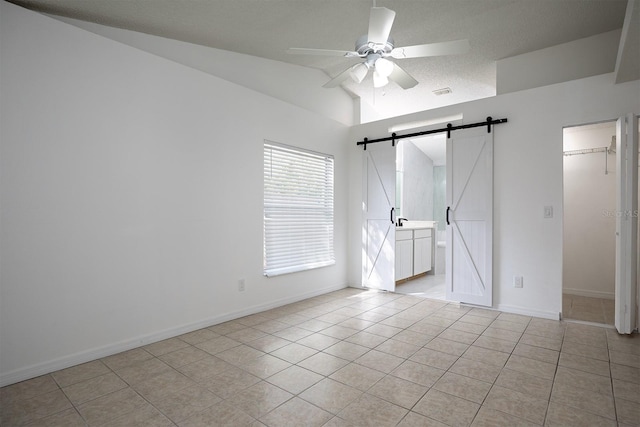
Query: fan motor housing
[[364, 47]]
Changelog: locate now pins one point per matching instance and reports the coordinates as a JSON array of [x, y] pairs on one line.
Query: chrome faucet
[[400, 221]]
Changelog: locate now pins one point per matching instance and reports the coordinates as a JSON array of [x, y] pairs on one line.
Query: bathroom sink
[[412, 225]]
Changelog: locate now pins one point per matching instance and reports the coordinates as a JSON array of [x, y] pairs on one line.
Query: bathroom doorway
[[589, 223], [421, 196]]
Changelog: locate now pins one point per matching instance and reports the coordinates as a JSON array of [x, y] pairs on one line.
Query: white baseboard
[[552, 315], [36, 370], [587, 293]]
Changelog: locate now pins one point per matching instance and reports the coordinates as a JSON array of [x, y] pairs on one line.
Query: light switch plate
[[548, 211]]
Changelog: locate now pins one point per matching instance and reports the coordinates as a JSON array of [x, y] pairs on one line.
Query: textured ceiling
[[496, 29]]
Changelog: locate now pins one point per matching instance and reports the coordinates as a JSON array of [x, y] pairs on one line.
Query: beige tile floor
[[596, 310], [351, 358], [427, 286]]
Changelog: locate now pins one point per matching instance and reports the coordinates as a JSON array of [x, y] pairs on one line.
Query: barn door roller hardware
[[450, 128]]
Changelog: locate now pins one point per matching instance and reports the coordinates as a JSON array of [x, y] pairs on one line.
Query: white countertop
[[413, 225]]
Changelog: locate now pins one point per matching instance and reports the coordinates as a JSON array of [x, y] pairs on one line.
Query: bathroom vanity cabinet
[[414, 252]]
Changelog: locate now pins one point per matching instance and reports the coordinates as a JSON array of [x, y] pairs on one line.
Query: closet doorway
[[589, 223]]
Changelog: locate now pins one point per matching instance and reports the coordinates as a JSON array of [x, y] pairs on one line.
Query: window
[[298, 209]]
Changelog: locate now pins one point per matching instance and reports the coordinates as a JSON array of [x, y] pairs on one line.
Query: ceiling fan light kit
[[384, 67], [359, 72], [376, 47], [379, 80]]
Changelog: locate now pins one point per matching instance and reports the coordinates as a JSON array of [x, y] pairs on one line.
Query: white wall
[[440, 197], [294, 84], [589, 213], [417, 182], [577, 59], [527, 177], [131, 195], [628, 60]]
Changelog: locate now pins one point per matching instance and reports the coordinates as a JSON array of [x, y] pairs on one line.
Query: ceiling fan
[[376, 46]]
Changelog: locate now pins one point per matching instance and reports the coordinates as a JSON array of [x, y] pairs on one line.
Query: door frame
[[635, 315], [626, 224]]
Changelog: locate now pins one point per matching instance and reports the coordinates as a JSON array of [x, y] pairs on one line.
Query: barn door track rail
[[450, 128]]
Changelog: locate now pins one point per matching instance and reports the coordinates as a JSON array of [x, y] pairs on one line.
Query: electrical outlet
[[241, 284], [517, 281]]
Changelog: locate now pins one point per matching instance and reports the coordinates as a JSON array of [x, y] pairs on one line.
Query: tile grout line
[[399, 308]]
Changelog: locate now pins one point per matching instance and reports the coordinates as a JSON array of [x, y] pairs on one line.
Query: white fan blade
[[432, 49], [337, 80], [402, 78], [380, 22], [324, 52]]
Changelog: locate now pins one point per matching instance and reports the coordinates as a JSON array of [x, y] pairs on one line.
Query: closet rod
[[490, 121], [586, 151]]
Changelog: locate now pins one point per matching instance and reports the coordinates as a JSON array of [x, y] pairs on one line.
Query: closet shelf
[[586, 151]]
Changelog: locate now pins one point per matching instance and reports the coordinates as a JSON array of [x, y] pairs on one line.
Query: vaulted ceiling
[[496, 29]]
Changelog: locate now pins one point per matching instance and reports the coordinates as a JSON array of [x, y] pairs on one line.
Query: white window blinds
[[298, 209]]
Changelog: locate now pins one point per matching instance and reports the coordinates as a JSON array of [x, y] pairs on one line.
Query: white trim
[[590, 294], [111, 349], [514, 309], [626, 223]]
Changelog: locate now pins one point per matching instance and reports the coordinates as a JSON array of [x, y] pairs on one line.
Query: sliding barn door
[[626, 223], [470, 216], [379, 233]]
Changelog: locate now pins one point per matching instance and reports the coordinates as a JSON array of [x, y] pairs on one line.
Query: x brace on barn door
[[448, 130]]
